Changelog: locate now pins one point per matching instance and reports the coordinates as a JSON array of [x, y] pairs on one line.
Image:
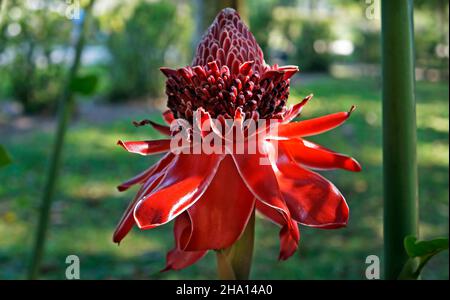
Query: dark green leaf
[[416, 248], [420, 252], [84, 84], [4, 157]]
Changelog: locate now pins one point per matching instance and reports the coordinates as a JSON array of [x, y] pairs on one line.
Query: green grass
[[87, 206]]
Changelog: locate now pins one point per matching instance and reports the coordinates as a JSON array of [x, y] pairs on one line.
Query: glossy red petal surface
[[146, 147], [177, 259], [296, 110], [260, 179], [219, 217], [313, 126], [140, 178], [137, 179], [312, 200], [185, 181], [289, 233], [127, 221], [165, 130], [315, 156], [168, 117], [182, 230]]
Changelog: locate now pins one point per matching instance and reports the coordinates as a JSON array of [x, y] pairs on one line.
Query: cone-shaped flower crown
[[228, 72]]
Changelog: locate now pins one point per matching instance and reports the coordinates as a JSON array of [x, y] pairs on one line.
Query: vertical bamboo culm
[[399, 132]]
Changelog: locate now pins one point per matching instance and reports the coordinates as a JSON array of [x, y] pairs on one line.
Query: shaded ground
[[86, 112], [87, 206]]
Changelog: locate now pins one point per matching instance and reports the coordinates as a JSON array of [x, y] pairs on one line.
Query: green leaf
[[4, 157], [416, 248], [420, 252], [84, 84]]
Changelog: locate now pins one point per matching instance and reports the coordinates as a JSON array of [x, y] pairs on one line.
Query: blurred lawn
[[87, 205]]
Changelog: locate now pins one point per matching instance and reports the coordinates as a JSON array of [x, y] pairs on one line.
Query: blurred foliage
[[137, 37], [312, 34], [261, 22], [207, 10], [29, 35], [84, 84], [367, 46], [154, 34], [300, 24], [5, 159], [431, 30]]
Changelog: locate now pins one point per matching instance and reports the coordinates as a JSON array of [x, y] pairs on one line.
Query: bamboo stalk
[[399, 132], [64, 113]]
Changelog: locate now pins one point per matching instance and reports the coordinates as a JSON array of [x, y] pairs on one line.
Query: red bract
[[212, 196]]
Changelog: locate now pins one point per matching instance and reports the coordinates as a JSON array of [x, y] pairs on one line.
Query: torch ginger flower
[[211, 197]]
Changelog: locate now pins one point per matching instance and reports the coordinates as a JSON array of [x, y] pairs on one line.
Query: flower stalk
[[399, 133], [235, 262]]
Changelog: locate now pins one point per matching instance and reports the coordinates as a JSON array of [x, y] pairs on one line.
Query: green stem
[[64, 112], [235, 262], [399, 132]]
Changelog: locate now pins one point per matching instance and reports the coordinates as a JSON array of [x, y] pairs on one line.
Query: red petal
[[219, 217], [186, 180], [296, 110], [168, 72], [146, 147], [168, 116], [289, 71], [260, 179], [312, 200], [127, 221], [246, 67], [161, 128], [315, 156], [136, 179], [182, 230], [289, 233], [270, 74], [147, 173], [204, 124], [178, 259], [262, 182], [314, 126]]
